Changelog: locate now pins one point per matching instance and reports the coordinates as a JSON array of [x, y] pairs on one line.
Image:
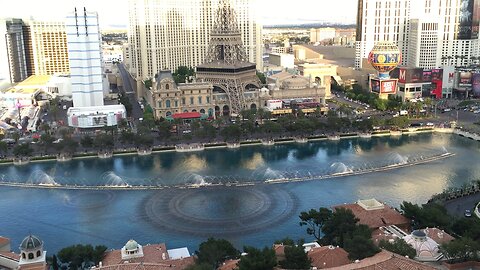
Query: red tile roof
[[385, 260], [279, 252], [438, 235], [10, 255], [229, 265], [152, 256], [174, 265], [328, 256], [187, 115], [378, 217], [4, 241]]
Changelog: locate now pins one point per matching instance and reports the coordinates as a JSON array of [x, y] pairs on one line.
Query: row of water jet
[[41, 178]]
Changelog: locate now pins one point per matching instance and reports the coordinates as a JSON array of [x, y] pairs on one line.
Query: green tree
[[360, 247], [164, 128], [467, 227], [68, 145], [258, 259], [182, 73], [127, 137], [295, 257], [54, 262], [86, 141], [16, 136], [22, 150], [65, 132], [315, 220], [399, 246], [231, 133], [463, 249], [77, 255], [427, 215], [103, 141], [271, 127], [338, 226], [45, 127], [3, 147], [262, 77], [285, 241], [215, 251]]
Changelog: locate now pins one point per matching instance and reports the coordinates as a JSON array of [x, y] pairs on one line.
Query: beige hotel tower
[[166, 34]]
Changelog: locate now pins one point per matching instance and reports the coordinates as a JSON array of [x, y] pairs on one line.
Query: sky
[[114, 13]]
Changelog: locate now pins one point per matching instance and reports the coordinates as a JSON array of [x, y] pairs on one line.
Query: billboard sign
[[476, 84], [427, 75], [437, 74], [412, 75], [375, 85], [383, 86], [465, 79], [388, 86], [465, 19], [476, 20]]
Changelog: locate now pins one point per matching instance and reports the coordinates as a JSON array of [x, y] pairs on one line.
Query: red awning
[[188, 115]]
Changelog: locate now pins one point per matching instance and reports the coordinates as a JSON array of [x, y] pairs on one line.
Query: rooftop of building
[[385, 260], [437, 235], [152, 254], [375, 214], [34, 80], [4, 241], [229, 265], [328, 256]]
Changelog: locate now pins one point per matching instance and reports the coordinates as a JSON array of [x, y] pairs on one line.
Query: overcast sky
[[114, 13]]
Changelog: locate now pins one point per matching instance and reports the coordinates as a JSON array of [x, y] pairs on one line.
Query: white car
[[429, 124], [477, 111]]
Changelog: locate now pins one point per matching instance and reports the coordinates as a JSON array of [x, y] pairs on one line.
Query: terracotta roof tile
[[10, 255], [229, 265], [4, 241], [279, 252], [168, 265], [385, 260], [438, 235], [377, 218], [328, 256]]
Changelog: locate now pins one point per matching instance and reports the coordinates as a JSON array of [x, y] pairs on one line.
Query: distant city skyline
[[114, 13]]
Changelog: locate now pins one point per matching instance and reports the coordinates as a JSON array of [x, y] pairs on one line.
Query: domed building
[[132, 250], [31, 252], [427, 249]]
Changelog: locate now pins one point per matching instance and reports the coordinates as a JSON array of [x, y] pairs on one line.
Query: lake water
[[248, 215]]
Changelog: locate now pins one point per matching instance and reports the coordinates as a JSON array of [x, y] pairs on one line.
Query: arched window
[[30, 256], [167, 104], [202, 111], [39, 253], [23, 256], [168, 114], [167, 86], [194, 110]]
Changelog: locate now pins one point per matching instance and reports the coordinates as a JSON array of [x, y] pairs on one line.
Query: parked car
[[468, 213]]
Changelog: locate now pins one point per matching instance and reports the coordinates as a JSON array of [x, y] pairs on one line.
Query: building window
[[199, 100], [167, 104], [183, 101], [176, 103], [191, 100], [208, 100], [167, 86], [160, 104]]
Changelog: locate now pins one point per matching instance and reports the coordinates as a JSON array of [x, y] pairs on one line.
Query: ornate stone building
[[168, 98]]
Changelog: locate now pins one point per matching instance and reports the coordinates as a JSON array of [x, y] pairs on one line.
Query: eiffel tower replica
[[226, 65]]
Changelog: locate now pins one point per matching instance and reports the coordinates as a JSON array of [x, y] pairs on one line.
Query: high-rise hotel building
[[48, 47], [429, 33], [166, 34], [84, 55]]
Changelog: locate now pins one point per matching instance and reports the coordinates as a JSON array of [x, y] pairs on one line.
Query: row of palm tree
[[473, 59]]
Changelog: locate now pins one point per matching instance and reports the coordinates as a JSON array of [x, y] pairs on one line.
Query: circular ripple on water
[[219, 211], [88, 199]]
